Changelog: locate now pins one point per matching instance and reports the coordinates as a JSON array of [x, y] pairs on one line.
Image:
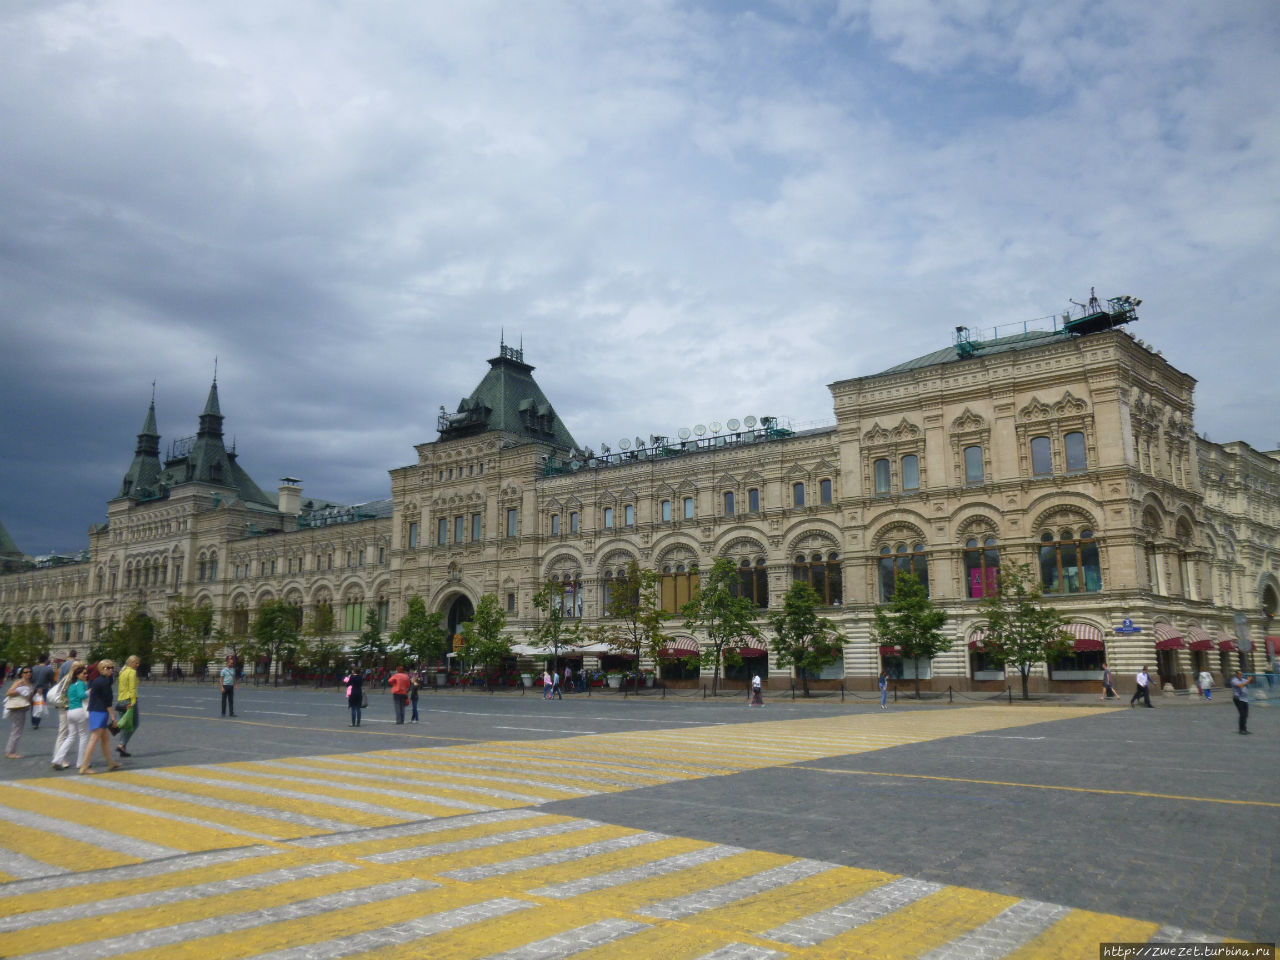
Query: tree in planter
[[483, 642], [1021, 630], [371, 647], [912, 622], [723, 616], [276, 628], [554, 628], [802, 638], [636, 617], [420, 637]]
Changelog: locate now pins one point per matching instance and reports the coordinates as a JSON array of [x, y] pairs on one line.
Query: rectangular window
[[354, 616], [666, 511], [573, 522], [728, 503], [688, 508], [442, 531], [382, 555], [824, 491], [413, 536], [555, 524], [972, 464], [608, 517], [910, 472], [511, 603], [1076, 459], [881, 470], [513, 521], [629, 515], [797, 494], [1041, 457], [475, 527], [459, 529], [753, 500], [351, 560]]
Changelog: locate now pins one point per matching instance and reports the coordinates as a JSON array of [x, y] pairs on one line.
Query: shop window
[[353, 613], [981, 567], [823, 574], [902, 559], [1069, 564], [678, 584], [1078, 665], [983, 666], [907, 668], [753, 582]]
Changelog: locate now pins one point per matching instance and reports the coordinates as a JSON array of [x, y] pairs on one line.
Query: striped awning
[[976, 638], [1167, 638], [679, 648], [1225, 643], [1086, 637], [1197, 639], [888, 651]]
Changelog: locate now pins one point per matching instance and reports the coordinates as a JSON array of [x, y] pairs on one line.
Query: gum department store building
[[1072, 450]]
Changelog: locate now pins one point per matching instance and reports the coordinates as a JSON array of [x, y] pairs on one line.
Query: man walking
[[1240, 697], [228, 679], [399, 683], [1143, 688], [41, 681]]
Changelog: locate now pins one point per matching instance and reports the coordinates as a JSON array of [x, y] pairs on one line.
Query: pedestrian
[[77, 718], [17, 704], [757, 692], [415, 686], [355, 694], [228, 679], [42, 676], [555, 686], [63, 669], [1205, 683], [102, 716], [1108, 689], [568, 678], [399, 684], [1240, 697], [127, 699], [1143, 688], [546, 685], [884, 689]]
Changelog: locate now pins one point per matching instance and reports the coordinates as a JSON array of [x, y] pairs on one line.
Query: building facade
[[1072, 451]]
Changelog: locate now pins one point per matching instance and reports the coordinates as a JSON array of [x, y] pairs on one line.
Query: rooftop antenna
[[215, 368]]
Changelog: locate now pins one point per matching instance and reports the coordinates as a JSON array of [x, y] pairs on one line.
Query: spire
[[140, 479], [211, 418]]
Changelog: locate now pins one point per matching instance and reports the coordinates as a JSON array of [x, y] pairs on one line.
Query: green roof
[[7, 547], [509, 400], [1020, 341]]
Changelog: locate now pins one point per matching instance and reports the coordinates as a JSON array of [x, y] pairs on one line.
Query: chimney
[[290, 496]]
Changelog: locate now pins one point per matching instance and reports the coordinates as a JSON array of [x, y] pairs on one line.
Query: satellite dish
[[749, 421], [639, 443], [699, 429], [715, 426], [684, 433], [733, 426], [574, 465], [624, 443], [591, 462], [604, 449]]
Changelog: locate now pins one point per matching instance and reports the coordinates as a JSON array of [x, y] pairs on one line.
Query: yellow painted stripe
[[183, 808], [91, 929], [475, 831], [464, 775], [320, 928], [1045, 786], [671, 941], [58, 851], [918, 927], [365, 732], [126, 823], [430, 865], [772, 908], [515, 884], [634, 897], [1079, 933]]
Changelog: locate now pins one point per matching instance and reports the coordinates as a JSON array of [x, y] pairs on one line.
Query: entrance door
[[460, 611]]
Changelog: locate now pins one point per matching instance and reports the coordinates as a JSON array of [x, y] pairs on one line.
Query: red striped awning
[[1273, 646], [1225, 643], [888, 651], [1087, 637], [976, 638], [1197, 639], [745, 652], [1167, 638], [679, 648]]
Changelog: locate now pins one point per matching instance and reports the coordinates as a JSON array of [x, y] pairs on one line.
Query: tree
[[275, 628], [911, 621], [723, 616], [483, 642], [635, 605], [132, 636], [371, 646], [802, 638], [1021, 630], [419, 637], [25, 643], [184, 635], [554, 629], [323, 651]]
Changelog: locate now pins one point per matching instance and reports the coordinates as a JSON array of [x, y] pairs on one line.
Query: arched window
[[613, 589], [882, 475], [570, 600], [353, 612], [679, 585], [911, 472], [981, 566], [608, 517], [902, 558], [822, 573], [1069, 564], [753, 581], [1041, 457], [973, 465]]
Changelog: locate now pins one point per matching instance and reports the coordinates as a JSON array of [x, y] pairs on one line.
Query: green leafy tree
[[803, 639], [371, 647], [276, 628], [25, 643], [323, 649], [483, 642], [554, 630], [911, 621], [723, 616], [182, 637], [420, 635], [134, 635], [635, 627], [1021, 630]]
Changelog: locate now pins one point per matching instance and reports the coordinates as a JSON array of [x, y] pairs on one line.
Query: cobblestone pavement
[[459, 852]]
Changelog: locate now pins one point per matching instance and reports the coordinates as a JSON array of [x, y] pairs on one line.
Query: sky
[[683, 212]]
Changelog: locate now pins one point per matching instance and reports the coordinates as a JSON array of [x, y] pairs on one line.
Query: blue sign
[[1126, 626]]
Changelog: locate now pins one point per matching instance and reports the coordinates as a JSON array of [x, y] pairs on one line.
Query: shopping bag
[[125, 723], [37, 705]]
